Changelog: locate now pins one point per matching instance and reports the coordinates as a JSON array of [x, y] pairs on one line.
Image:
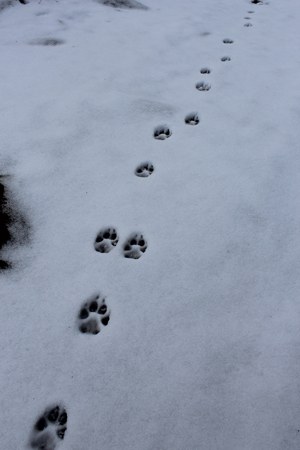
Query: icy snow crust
[[202, 348]]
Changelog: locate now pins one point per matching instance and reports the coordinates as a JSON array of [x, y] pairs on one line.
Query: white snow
[[202, 348]]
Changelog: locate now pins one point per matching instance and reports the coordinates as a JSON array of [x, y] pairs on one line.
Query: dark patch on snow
[[256, 2], [227, 41], [106, 240], [225, 58], [47, 42], [13, 226], [127, 4], [92, 314], [135, 246], [162, 132], [49, 428], [144, 170], [248, 24], [192, 119]]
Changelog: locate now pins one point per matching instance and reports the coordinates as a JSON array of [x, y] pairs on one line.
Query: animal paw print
[[50, 429], [227, 41], [202, 86], [106, 240], [248, 24], [92, 314], [205, 70], [135, 246], [192, 119], [144, 170], [256, 2], [225, 58], [162, 132]]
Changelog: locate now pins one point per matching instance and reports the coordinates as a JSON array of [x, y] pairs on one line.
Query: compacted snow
[[150, 156]]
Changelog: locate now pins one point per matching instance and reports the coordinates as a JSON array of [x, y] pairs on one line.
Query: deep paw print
[[205, 70], [135, 246], [248, 24], [162, 132], [192, 119], [225, 58], [50, 429], [203, 86], [92, 314], [106, 240], [144, 170], [227, 41], [256, 2]]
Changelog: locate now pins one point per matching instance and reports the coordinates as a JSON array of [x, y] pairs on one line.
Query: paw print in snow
[[162, 132], [225, 58], [202, 86], [192, 119], [227, 41], [92, 314], [144, 170], [205, 70], [106, 240], [49, 429], [135, 246]]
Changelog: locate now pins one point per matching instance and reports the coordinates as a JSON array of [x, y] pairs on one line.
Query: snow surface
[[202, 349]]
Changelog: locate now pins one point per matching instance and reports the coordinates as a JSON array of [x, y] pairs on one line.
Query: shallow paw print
[[225, 58], [144, 170], [135, 246], [162, 132], [203, 86], [248, 24], [49, 429], [205, 70], [192, 119], [227, 41], [106, 240], [250, 12], [92, 314]]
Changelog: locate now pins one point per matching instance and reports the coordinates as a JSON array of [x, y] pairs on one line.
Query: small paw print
[[162, 132], [192, 119], [205, 70], [135, 246], [227, 41], [202, 86], [106, 240], [92, 314], [248, 24], [50, 429], [144, 169], [225, 58]]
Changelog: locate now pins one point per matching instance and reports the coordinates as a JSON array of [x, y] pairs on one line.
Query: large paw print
[[92, 314], [202, 86], [162, 132], [135, 246], [144, 169], [50, 429], [192, 119], [106, 240]]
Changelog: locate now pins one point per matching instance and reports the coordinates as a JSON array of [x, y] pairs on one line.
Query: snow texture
[[201, 351]]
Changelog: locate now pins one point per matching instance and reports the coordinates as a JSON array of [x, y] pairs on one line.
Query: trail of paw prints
[[144, 170], [93, 313], [192, 119], [162, 132], [135, 246], [106, 240], [49, 429]]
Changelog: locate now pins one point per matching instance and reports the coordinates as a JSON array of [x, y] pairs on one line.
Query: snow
[[202, 348]]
